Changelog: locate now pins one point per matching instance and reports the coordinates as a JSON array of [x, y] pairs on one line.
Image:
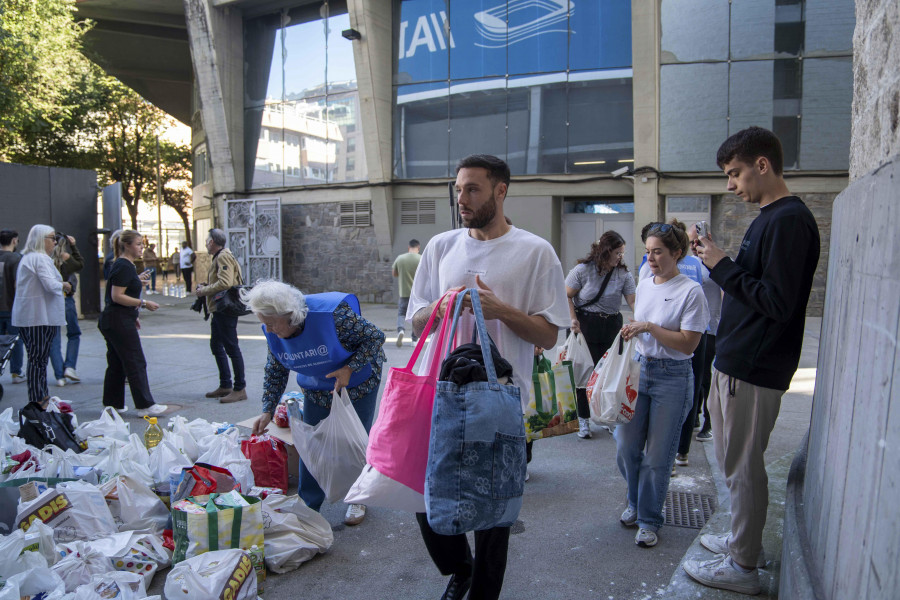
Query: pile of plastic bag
[[100, 523]]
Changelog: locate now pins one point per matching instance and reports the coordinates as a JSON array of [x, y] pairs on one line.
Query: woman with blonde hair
[[69, 262], [119, 325], [38, 309]]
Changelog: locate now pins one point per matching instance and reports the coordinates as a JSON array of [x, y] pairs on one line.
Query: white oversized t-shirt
[[519, 267], [678, 304]]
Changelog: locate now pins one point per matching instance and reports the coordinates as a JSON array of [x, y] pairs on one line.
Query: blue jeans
[[309, 488], [73, 335], [153, 278], [402, 305], [17, 358], [664, 400]]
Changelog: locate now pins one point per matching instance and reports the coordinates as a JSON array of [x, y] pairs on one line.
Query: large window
[[545, 85], [783, 64], [301, 100]]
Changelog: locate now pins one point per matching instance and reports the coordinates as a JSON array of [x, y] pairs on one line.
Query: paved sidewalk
[[569, 544]]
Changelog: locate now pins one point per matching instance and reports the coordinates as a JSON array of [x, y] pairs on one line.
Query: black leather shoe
[[457, 588]]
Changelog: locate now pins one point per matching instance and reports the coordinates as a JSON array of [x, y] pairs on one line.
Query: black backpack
[[39, 428]]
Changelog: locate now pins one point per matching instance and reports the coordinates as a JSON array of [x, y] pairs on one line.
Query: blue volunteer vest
[[317, 351], [689, 266]]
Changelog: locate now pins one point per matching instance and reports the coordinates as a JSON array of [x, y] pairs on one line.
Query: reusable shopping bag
[[551, 409], [216, 522], [615, 391], [476, 454], [577, 351], [394, 475], [268, 460], [334, 449], [203, 479], [226, 574]]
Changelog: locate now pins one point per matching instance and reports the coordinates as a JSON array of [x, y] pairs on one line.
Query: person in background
[[151, 262], [119, 324], [296, 327], [69, 261], [595, 288], [404, 269], [39, 309], [224, 272], [670, 316], [176, 263], [186, 258], [9, 262]]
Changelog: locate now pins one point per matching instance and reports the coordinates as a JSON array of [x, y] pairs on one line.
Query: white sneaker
[[722, 573], [629, 517], [16, 378], [61, 382], [399, 339], [153, 411], [355, 514], [718, 544], [584, 429], [645, 538], [71, 374]]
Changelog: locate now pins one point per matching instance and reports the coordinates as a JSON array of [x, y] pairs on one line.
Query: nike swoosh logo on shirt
[[667, 299]]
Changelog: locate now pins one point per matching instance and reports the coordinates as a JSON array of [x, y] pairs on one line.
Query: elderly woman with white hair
[[39, 308], [296, 327]]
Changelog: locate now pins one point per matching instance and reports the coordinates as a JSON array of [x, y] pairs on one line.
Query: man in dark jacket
[[757, 345], [9, 262]]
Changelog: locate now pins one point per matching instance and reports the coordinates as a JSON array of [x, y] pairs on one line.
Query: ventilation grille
[[417, 212], [356, 214], [688, 510]]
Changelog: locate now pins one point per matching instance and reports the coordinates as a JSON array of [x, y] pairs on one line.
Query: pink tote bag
[[398, 442]]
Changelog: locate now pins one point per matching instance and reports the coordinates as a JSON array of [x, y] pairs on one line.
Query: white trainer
[[718, 544], [722, 573], [629, 517], [16, 378], [71, 374], [400, 339], [645, 538], [61, 382], [584, 429], [153, 411], [355, 514]]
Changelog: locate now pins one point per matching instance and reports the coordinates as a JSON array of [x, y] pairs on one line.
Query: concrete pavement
[[569, 543]]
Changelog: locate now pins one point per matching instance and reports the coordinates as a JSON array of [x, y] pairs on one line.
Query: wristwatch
[[143, 303]]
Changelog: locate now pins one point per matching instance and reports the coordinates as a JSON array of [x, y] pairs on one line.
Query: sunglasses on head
[[662, 228]]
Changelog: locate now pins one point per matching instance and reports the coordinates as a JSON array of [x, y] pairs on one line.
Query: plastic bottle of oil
[[153, 435]]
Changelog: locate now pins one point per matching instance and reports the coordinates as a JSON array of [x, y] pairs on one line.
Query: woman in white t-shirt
[[670, 317]]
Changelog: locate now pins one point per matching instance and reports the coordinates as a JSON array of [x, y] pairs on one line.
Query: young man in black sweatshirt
[[757, 347]]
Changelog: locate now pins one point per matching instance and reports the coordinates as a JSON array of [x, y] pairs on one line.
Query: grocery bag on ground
[[615, 391], [216, 522], [115, 585], [551, 409], [118, 462], [225, 574], [134, 506], [268, 460], [394, 474], [110, 424], [8, 422], [182, 438], [576, 350], [294, 533], [42, 428], [333, 450], [34, 583], [202, 479], [76, 510], [9, 499], [225, 452], [131, 551], [80, 564], [19, 553], [164, 457]]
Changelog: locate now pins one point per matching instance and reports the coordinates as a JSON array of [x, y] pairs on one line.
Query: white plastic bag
[[164, 457], [333, 450], [576, 350], [131, 551], [615, 390], [75, 510], [118, 463], [182, 438], [225, 451], [110, 424], [134, 506], [212, 576], [32, 583], [294, 533], [8, 422], [13, 557], [117, 585], [77, 567]]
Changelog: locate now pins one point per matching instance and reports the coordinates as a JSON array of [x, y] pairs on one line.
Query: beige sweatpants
[[743, 416]]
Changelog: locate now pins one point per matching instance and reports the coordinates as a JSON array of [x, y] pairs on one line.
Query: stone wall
[[875, 129], [320, 256], [731, 217]]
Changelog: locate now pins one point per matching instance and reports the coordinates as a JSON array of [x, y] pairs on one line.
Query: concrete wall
[[875, 131]]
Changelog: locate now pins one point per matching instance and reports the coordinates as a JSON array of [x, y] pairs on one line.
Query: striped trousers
[[37, 343]]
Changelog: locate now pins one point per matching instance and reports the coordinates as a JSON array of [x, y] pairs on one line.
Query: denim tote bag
[[476, 454]]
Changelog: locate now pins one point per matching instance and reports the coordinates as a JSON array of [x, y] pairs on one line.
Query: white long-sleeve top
[[39, 293]]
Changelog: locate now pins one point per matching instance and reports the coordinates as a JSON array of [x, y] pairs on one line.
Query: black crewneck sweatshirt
[[766, 291]]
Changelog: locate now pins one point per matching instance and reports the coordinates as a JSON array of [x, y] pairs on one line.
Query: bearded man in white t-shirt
[[523, 297]]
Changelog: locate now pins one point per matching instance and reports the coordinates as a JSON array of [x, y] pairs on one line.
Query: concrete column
[[373, 54], [645, 34], [216, 36]]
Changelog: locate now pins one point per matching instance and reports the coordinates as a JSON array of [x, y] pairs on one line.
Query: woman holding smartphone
[[119, 325]]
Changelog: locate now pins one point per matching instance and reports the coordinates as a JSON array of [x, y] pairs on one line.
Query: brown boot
[[234, 396], [218, 392]]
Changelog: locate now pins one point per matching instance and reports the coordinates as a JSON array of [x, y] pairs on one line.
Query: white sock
[[739, 568]]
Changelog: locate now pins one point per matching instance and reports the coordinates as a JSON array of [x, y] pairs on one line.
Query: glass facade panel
[[829, 26], [421, 40], [752, 30], [297, 126], [479, 29], [553, 148], [750, 95], [421, 137], [827, 100], [599, 140], [477, 119], [694, 30], [601, 35]]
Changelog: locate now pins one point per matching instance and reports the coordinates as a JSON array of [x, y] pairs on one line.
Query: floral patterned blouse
[[356, 335]]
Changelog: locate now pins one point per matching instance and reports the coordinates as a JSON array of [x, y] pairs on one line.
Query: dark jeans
[[187, 273], [709, 356], [309, 489], [124, 360], [453, 556], [17, 358], [603, 334], [699, 362], [37, 341], [153, 278], [223, 341]]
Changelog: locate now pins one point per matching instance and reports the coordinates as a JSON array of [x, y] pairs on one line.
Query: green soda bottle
[[153, 435], [259, 565]]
